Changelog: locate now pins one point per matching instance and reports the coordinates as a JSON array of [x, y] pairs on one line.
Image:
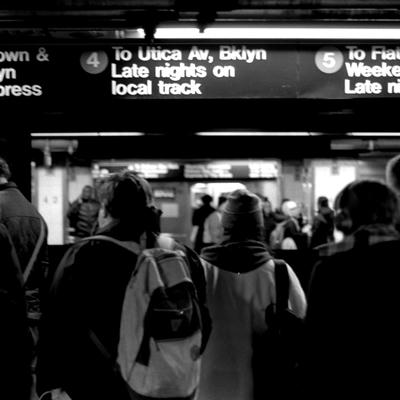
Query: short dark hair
[[206, 199], [4, 169], [393, 173], [125, 194], [128, 198], [368, 202], [323, 201]]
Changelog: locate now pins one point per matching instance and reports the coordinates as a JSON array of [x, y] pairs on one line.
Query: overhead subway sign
[[208, 71]]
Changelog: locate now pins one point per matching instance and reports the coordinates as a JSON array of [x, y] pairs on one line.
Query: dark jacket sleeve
[[73, 213], [319, 328], [55, 327], [15, 340]]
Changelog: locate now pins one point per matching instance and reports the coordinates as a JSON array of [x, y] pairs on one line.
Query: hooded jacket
[[240, 286]]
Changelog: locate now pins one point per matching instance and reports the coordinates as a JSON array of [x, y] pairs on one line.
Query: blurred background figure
[[269, 217], [212, 224], [393, 173], [323, 223], [393, 180], [198, 218], [287, 234], [83, 213]]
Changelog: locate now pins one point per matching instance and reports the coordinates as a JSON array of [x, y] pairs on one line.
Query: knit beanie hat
[[242, 216]]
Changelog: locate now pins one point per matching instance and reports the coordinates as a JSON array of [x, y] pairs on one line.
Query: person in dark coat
[[352, 346], [198, 218], [83, 213], [24, 224], [15, 339], [268, 217], [88, 292], [323, 224], [28, 232]]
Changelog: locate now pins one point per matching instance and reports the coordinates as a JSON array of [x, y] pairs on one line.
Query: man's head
[[87, 192], [365, 202], [5, 173], [393, 173], [128, 198], [242, 216], [322, 201], [206, 199]]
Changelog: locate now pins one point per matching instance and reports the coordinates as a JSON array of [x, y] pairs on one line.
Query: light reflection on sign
[[148, 170]]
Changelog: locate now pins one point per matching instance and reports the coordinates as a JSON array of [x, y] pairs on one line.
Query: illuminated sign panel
[[232, 170], [148, 170], [79, 73], [209, 171]]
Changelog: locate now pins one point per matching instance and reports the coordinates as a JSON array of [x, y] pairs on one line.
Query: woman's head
[[365, 202]]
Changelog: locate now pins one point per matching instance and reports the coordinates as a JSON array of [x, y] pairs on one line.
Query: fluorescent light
[[256, 30], [261, 31], [63, 134], [120, 133], [374, 134], [84, 134], [250, 134]]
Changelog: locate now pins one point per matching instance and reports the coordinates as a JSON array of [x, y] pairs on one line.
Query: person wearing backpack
[[240, 288], [85, 349], [352, 322]]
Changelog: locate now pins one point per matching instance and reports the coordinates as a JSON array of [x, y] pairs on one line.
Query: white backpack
[[163, 328]]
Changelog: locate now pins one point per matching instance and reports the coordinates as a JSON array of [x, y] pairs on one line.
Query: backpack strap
[[282, 284], [35, 252], [163, 241], [198, 275]]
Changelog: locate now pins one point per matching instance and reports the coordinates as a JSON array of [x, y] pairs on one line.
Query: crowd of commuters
[[283, 228], [53, 324]]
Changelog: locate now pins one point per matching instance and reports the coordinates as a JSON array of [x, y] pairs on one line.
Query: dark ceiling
[[98, 19]]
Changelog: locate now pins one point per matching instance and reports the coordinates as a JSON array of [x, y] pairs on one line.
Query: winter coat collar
[[238, 257], [370, 234], [8, 185], [119, 231]]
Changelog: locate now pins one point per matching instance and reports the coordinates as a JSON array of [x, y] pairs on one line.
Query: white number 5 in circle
[[329, 60]]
